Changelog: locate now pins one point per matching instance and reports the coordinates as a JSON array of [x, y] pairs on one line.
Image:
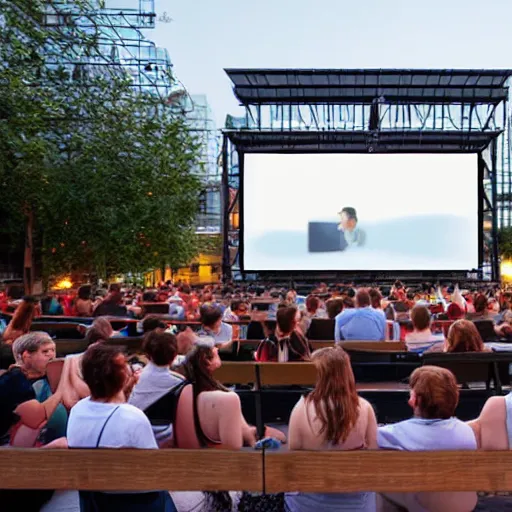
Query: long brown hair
[[335, 397], [24, 314], [196, 370], [463, 336]]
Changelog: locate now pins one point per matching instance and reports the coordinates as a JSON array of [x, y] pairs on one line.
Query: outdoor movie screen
[[372, 211]]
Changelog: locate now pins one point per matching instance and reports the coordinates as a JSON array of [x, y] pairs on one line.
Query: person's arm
[[384, 325], [337, 329], [371, 429], [295, 425], [232, 427]]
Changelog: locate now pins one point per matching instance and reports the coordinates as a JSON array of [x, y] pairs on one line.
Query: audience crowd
[[169, 396]]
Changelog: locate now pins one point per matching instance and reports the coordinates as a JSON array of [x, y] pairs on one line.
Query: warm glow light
[[64, 284], [506, 269]]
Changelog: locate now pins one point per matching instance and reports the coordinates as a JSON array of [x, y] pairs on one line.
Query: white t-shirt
[[154, 382], [128, 427]]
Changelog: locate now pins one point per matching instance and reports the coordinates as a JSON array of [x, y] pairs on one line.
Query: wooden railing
[[210, 470]]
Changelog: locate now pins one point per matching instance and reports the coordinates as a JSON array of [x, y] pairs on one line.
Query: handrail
[[210, 470]]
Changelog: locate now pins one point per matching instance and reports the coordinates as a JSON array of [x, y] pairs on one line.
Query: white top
[[424, 340], [154, 382], [128, 427], [282, 353], [224, 335]]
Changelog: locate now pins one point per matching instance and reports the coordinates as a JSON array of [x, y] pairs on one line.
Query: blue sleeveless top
[[331, 502], [508, 406]]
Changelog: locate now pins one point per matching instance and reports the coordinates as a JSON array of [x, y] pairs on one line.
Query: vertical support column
[[495, 263], [226, 263]]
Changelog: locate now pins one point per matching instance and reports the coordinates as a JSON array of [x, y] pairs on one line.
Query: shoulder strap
[[201, 436], [104, 425]]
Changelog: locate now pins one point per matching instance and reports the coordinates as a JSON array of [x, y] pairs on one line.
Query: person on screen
[[354, 236]]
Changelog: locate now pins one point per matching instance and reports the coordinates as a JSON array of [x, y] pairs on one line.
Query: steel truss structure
[[377, 110], [121, 47]]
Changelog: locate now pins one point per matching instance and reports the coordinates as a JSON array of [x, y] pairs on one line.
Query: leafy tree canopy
[[104, 170]]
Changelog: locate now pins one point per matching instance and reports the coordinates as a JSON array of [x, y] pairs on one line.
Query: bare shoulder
[[364, 405], [222, 398]]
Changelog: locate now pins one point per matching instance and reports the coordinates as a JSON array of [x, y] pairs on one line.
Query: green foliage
[[505, 242], [105, 169]]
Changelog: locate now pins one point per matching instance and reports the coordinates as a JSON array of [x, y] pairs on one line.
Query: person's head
[[114, 288], [493, 306], [160, 347], [153, 323], [348, 218], [100, 330], [420, 317], [211, 317], [186, 341], [33, 351], [24, 314], [84, 292], [334, 307], [348, 303], [287, 318], [434, 393], [463, 336], [334, 397], [375, 298], [199, 366], [362, 299], [312, 304], [480, 303], [239, 307], [454, 311], [105, 371]]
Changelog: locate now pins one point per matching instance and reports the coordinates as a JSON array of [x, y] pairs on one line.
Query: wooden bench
[[270, 472], [473, 367], [113, 470]]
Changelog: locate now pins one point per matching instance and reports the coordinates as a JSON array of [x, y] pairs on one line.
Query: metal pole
[[226, 263], [495, 268]]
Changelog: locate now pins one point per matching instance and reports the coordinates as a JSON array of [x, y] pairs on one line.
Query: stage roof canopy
[[362, 141], [349, 86]]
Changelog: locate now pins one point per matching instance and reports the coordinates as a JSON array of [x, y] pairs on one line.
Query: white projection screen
[[412, 212]]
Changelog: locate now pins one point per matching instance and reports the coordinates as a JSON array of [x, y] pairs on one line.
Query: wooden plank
[[374, 346], [129, 470], [388, 471], [287, 374], [234, 372]]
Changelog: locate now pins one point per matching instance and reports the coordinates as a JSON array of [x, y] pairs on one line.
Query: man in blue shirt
[[361, 323]]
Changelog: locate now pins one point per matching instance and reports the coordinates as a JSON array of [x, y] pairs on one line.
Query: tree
[[505, 242], [99, 174]]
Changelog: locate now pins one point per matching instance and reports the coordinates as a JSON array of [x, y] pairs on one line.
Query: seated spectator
[[332, 417], [221, 422], [100, 330], [186, 341], [454, 312], [481, 312], [434, 398], [376, 299], [463, 336], [153, 323], [421, 338], [84, 304], [361, 323], [22, 319], [156, 379], [112, 305], [237, 309], [334, 307], [27, 381], [73, 386], [493, 428], [50, 305], [105, 420], [287, 344], [213, 326]]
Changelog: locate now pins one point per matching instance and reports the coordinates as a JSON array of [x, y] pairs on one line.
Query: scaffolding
[[333, 110]]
